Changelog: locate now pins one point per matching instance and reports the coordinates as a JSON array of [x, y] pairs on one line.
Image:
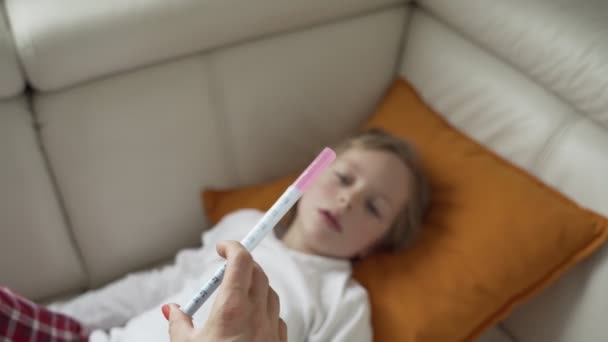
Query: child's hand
[[246, 307]]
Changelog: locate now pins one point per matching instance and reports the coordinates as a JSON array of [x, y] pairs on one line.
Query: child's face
[[353, 204]]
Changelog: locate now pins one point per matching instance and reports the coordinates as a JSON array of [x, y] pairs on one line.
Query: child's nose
[[347, 198], [344, 201]]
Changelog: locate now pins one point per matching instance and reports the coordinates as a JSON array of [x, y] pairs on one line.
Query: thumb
[[180, 324]]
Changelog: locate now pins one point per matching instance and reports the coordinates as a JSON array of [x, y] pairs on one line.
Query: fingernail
[[165, 309]]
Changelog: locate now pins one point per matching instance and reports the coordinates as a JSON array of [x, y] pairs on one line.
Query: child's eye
[[373, 209], [344, 180]]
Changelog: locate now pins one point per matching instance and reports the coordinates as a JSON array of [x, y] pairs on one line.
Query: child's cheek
[[328, 188]]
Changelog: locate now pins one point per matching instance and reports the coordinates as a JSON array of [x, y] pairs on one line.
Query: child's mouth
[[331, 219]]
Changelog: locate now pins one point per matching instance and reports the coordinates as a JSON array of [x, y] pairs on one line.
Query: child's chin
[[322, 232], [318, 236]]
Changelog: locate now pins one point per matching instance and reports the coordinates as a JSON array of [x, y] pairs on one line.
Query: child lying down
[[371, 198]]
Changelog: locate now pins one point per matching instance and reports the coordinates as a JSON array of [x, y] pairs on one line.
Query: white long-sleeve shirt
[[319, 299]]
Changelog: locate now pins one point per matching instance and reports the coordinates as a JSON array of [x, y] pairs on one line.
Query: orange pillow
[[494, 235]]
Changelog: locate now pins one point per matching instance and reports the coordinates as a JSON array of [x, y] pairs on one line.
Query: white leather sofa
[[114, 114]]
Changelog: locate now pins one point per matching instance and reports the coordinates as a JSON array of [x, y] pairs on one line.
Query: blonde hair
[[408, 222]]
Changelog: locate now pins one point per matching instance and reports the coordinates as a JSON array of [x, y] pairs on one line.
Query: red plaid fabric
[[23, 320]]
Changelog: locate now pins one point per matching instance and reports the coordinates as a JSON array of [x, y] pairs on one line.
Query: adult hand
[[246, 308]]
